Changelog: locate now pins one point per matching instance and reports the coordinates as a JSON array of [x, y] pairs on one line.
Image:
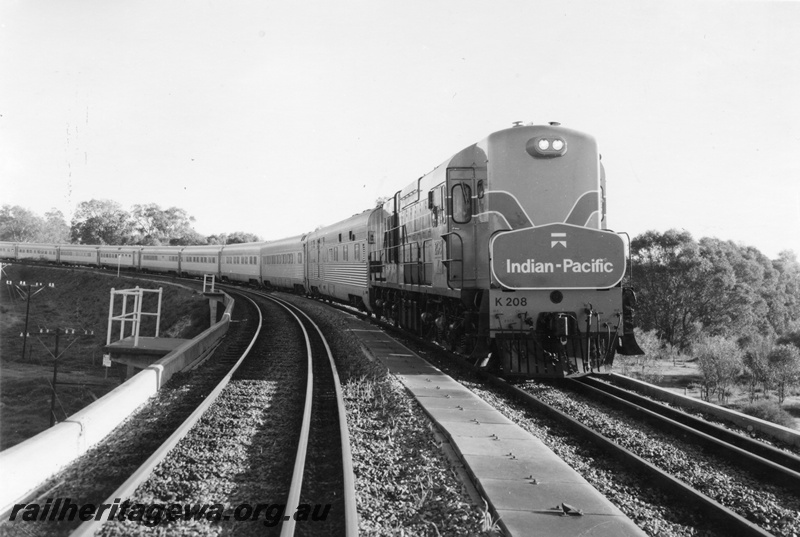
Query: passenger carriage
[[282, 264], [337, 265], [162, 259], [78, 254], [8, 250], [242, 262], [201, 260], [126, 257], [37, 252]]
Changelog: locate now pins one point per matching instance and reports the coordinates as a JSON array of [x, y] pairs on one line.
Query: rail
[[31, 462], [143, 472], [301, 460], [782, 466], [733, 523]]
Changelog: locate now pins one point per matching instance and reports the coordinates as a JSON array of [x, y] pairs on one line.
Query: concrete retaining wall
[[790, 436], [25, 466]]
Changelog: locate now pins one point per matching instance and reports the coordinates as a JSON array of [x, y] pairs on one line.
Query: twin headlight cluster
[[546, 146]]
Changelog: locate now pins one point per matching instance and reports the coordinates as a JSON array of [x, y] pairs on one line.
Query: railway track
[[728, 495], [323, 468], [768, 462], [237, 450], [681, 486], [241, 457], [93, 477]]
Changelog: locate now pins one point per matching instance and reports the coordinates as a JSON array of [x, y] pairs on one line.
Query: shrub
[[769, 411], [720, 361], [784, 361]]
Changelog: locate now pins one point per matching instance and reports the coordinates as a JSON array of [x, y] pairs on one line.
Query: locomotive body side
[[426, 272]]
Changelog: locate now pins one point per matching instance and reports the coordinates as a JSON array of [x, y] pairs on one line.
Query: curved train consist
[[502, 251]]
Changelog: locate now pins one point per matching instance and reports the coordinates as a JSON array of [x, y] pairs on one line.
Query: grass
[[683, 376], [79, 300]]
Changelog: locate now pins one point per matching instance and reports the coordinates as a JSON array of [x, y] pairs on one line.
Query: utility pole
[[24, 290], [55, 379], [56, 356]]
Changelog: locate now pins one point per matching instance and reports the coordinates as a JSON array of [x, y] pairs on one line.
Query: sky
[[276, 117]]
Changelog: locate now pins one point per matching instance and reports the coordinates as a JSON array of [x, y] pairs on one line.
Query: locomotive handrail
[[630, 259], [425, 263], [454, 260]]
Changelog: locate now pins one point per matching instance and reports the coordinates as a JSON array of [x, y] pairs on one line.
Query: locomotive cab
[[555, 297]]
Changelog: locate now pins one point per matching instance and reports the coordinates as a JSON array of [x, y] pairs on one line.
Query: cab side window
[[462, 203]]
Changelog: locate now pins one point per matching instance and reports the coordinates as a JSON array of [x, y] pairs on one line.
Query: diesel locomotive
[[501, 252]]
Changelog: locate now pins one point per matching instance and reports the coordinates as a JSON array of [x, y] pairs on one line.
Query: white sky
[[274, 117]]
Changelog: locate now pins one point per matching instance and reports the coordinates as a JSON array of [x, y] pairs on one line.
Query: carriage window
[[462, 203]]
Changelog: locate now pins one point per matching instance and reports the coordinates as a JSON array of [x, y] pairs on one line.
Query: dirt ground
[[684, 378]]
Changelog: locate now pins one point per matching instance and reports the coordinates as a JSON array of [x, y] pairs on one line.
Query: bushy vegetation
[[726, 305], [721, 362], [769, 411], [106, 222]]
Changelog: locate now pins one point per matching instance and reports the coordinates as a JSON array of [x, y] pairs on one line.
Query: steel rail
[[141, 474], [288, 526], [780, 465], [731, 521], [348, 476]]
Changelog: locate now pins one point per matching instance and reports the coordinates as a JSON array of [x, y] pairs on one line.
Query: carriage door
[[306, 264], [460, 237]]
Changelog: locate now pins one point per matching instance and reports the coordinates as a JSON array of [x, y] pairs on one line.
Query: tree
[[665, 272], [785, 303], [784, 361], [188, 238], [171, 226], [756, 364], [216, 239], [18, 224], [238, 237], [720, 361], [647, 364], [55, 228], [790, 338], [101, 222]]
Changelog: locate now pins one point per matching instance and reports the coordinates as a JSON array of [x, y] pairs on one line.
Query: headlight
[[546, 146]]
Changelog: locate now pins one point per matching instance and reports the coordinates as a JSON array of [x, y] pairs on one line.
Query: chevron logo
[[556, 239]]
